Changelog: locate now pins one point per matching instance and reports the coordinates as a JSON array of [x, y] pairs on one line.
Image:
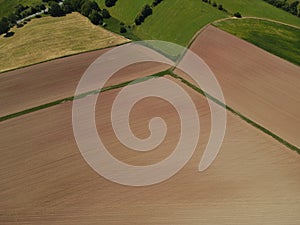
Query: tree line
[[87, 8], [146, 11], [283, 4], [221, 8], [19, 13], [56, 8]]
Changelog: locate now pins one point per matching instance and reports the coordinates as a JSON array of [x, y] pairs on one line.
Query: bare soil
[[259, 85], [45, 180]]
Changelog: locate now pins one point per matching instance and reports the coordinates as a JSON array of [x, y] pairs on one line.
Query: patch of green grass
[[259, 8], [113, 24], [177, 21], [8, 6], [281, 40], [125, 10], [171, 21]]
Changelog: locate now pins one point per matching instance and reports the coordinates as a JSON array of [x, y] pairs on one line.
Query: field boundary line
[[83, 95], [238, 114]]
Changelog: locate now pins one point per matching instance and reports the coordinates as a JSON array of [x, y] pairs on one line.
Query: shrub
[[67, 8], [123, 30], [87, 8], [9, 34], [95, 17], [19, 25], [237, 15], [12, 19], [105, 13], [139, 19], [156, 2], [42, 6], [55, 10], [4, 26], [110, 3], [147, 11]]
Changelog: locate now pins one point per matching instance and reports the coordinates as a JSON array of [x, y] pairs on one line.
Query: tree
[[110, 3], [237, 15], [146, 11], [214, 4], [33, 10], [42, 7], [67, 8], [139, 19], [86, 9], [4, 25], [20, 8], [220, 7], [105, 13], [88, 6], [294, 7], [156, 2], [74, 4], [12, 19], [95, 17], [55, 10], [123, 30]]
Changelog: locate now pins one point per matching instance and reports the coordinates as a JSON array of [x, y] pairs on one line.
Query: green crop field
[[259, 8], [281, 40], [171, 20], [178, 20], [8, 6]]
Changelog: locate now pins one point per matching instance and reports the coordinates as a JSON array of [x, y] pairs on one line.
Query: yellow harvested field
[[45, 180], [49, 37]]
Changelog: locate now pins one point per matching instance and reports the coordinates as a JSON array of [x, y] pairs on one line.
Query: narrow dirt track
[[44, 179], [256, 83], [46, 82]]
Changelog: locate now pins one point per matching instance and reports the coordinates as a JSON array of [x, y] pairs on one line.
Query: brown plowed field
[[44, 179], [46, 82], [257, 84]]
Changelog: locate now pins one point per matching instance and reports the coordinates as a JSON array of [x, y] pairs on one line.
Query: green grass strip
[[83, 95], [249, 121]]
